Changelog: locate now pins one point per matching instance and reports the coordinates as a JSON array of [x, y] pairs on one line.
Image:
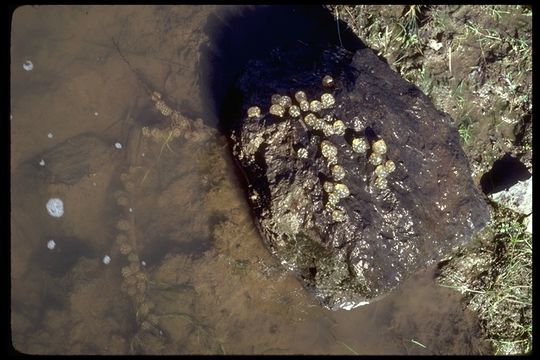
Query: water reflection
[[188, 271]]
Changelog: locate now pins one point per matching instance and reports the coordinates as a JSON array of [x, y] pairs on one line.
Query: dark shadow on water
[[240, 34]]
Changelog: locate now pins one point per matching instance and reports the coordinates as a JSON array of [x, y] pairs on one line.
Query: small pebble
[[28, 66], [118, 145], [106, 259], [42, 162], [130, 210], [143, 263], [55, 207], [50, 135], [51, 244], [96, 113]]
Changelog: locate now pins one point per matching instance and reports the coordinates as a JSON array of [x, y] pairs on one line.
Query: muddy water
[[188, 272]]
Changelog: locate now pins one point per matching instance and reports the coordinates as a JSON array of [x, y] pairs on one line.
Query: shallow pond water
[[188, 272]]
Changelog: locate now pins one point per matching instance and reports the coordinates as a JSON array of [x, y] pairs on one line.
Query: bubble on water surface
[[28, 65], [55, 207]]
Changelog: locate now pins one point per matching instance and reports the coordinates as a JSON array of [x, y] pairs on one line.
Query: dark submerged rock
[[428, 207]]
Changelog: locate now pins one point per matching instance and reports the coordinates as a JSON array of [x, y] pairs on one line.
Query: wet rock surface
[[355, 232]]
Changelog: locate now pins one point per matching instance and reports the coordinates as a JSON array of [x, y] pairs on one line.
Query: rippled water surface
[[188, 272]]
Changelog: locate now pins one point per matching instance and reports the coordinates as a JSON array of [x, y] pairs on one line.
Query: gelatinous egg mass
[[379, 147], [310, 119], [277, 110], [390, 166], [302, 153], [360, 145], [275, 99], [327, 81], [328, 186], [328, 129], [341, 190], [300, 96], [380, 182], [328, 150], [327, 101], [339, 127], [285, 101], [319, 124], [294, 111], [339, 215], [304, 105], [315, 106], [254, 111], [375, 159], [338, 173], [381, 171], [333, 200]]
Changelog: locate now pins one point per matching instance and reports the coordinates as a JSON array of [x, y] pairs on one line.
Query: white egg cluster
[[383, 167], [283, 104], [312, 114]]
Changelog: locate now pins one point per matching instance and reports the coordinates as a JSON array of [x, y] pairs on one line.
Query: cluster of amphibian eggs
[[134, 278], [336, 190]]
